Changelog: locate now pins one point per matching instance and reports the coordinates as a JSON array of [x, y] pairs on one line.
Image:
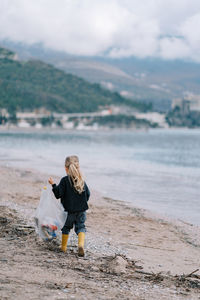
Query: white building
[[194, 102], [190, 102], [23, 124]]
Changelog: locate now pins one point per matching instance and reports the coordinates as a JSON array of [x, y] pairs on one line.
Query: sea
[[158, 169]]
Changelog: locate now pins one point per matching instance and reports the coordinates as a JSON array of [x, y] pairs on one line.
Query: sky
[[168, 29]]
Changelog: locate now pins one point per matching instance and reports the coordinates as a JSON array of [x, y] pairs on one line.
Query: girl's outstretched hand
[[51, 180]]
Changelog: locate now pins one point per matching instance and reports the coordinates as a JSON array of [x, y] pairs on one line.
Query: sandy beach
[[130, 253]]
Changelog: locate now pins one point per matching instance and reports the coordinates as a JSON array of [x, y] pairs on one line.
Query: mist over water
[[158, 170]]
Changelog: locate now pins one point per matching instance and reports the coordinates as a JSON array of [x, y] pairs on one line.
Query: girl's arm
[[87, 191], [59, 189]]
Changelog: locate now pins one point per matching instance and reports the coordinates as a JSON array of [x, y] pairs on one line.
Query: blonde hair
[[72, 163]]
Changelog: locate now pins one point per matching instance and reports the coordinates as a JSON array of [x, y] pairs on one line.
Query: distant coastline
[[104, 119]]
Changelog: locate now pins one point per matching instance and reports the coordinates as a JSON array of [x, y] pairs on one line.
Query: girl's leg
[[80, 231], [65, 232], [81, 240], [64, 242]]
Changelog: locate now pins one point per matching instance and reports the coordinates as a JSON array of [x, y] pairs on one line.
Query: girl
[[74, 195]]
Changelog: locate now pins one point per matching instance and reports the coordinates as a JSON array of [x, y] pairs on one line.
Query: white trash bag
[[50, 216]]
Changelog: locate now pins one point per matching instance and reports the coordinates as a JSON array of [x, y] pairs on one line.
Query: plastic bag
[[50, 216]]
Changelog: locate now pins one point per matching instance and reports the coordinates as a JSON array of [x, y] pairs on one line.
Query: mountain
[[147, 80], [32, 84]]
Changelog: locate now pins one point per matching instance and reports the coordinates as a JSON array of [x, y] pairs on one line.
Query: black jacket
[[71, 200]]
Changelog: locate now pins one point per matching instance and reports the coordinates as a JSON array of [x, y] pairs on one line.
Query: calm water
[[157, 170]]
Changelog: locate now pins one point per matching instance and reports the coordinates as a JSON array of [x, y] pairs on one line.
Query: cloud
[[190, 29], [172, 48], [118, 28]]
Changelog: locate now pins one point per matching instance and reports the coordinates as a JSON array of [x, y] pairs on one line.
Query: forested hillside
[[34, 84]]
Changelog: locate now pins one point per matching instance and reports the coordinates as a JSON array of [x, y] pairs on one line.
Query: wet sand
[[130, 253]]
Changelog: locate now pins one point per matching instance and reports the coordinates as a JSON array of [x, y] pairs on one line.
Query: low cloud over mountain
[[168, 29]]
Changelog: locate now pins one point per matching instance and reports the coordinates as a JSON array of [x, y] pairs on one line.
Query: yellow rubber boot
[[64, 242], [81, 239]]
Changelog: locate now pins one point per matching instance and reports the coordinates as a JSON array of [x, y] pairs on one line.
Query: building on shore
[[189, 103]]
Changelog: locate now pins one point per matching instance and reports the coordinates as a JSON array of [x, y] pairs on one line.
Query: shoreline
[[103, 129], [125, 204], [119, 236], [186, 174], [50, 129], [116, 232]]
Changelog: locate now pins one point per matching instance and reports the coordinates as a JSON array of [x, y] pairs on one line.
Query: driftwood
[[144, 273], [190, 280], [190, 275]]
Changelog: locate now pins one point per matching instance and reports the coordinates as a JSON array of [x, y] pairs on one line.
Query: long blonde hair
[[72, 164]]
